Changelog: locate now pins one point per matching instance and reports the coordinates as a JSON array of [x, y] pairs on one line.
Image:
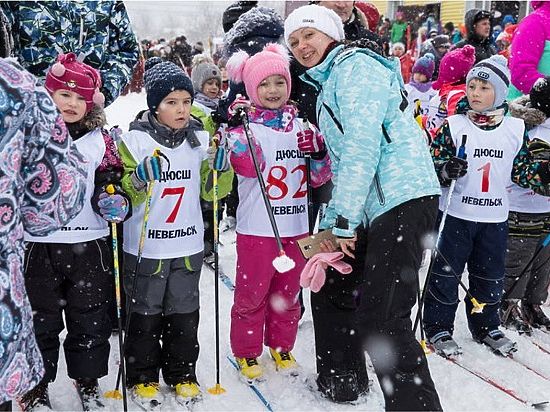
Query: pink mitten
[[314, 273]]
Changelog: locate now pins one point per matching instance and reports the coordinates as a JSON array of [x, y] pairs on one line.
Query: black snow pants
[[77, 279], [395, 243]]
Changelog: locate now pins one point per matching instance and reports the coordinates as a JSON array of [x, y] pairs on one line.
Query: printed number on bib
[[277, 188], [173, 191], [485, 177]]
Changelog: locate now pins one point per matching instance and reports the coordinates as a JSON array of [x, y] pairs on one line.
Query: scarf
[[490, 118], [421, 87]]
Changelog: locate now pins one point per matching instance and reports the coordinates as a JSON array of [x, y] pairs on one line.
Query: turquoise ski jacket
[[379, 158]]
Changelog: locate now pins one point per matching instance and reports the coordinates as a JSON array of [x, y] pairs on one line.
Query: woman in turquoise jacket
[[384, 178]]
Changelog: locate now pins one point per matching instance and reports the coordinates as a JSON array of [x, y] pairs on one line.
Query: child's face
[[481, 95], [223, 72], [175, 109], [211, 88], [420, 78], [272, 92], [71, 105], [398, 51]]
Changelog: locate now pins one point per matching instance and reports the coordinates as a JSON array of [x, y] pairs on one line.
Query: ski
[[226, 280], [529, 368], [253, 387], [501, 387], [495, 384], [539, 346]]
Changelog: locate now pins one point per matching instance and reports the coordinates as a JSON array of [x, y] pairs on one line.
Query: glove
[[149, 169], [217, 158], [310, 142], [240, 103], [454, 168], [113, 208], [540, 150]]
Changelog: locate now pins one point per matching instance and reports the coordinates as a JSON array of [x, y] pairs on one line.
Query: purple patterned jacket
[[42, 187]]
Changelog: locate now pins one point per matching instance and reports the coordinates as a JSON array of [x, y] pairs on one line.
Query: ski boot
[[284, 361], [37, 398], [147, 396], [249, 368], [444, 345], [498, 343], [535, 316], [88, 391], [343, 387], [187, 393], [511, 317]]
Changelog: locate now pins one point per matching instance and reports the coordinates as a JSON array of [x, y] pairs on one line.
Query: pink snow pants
[[266, 306]]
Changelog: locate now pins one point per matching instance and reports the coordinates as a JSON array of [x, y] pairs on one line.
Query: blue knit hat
[[425, 65], [162, 78], [495, 71]]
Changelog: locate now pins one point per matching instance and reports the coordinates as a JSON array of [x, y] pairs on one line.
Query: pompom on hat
[[455, 65], [272, 60], [316, 17], [68, 73]]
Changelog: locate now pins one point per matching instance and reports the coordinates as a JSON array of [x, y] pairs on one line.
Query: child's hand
[[113, 208], [454, 168], [240, 103], [149, 169], [309, 142], [217, 158]]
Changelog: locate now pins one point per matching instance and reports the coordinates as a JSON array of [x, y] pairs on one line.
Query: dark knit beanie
[[162, 78], [540, 95]]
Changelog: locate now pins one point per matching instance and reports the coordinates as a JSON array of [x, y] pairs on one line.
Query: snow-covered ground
[[459, 391]]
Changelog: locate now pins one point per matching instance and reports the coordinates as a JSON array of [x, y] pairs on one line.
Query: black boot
[[511, 317], [36, 398], [88, 391], [142, 348], [535, 316], [341, 388]]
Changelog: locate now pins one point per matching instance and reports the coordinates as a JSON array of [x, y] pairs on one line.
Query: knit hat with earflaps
[[495, 71], [425, 65], [68, 73]]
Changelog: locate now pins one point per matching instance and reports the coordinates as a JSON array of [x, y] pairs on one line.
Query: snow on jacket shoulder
[[379, 158], [99, 29], [530, 57]]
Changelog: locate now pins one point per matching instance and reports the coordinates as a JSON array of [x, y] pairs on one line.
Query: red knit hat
[[273, 59], [371, 13], [70, 74], [455, 66]]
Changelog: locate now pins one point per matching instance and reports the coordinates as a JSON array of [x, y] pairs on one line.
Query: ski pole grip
[[462, 148]]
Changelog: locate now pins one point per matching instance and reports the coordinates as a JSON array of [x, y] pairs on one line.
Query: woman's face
[[308, 45]]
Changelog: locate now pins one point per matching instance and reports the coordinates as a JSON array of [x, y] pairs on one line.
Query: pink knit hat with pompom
[[272, 60], [68, 73], [455, 65]]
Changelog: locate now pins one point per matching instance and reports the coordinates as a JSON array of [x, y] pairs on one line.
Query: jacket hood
[[521, 108], [469, 20], [146, 122]]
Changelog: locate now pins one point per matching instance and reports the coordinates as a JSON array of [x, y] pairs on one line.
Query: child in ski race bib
[[266, 309], [168, 162], [70, 270], [480, 149]]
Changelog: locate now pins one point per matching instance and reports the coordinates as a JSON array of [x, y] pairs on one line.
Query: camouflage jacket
[[99, 29]]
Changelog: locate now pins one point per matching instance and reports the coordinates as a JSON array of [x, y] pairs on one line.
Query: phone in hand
[[311, 245]]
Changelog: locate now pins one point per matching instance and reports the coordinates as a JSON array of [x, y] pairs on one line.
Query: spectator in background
[[371, 13], [508, 20], [181, 53], [398, 28], [439, 46], [530, 58], [405, 58], [449, 28], [478, 28], [100, 30], [504, 40]]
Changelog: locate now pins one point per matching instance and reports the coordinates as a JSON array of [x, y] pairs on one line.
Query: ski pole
[[218, 389], [544, 243], [477, 307], [116, 393], [148, 197], [282, 263], [310, 218]]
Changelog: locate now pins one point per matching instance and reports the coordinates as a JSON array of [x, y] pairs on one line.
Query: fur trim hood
[[521, 108]]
